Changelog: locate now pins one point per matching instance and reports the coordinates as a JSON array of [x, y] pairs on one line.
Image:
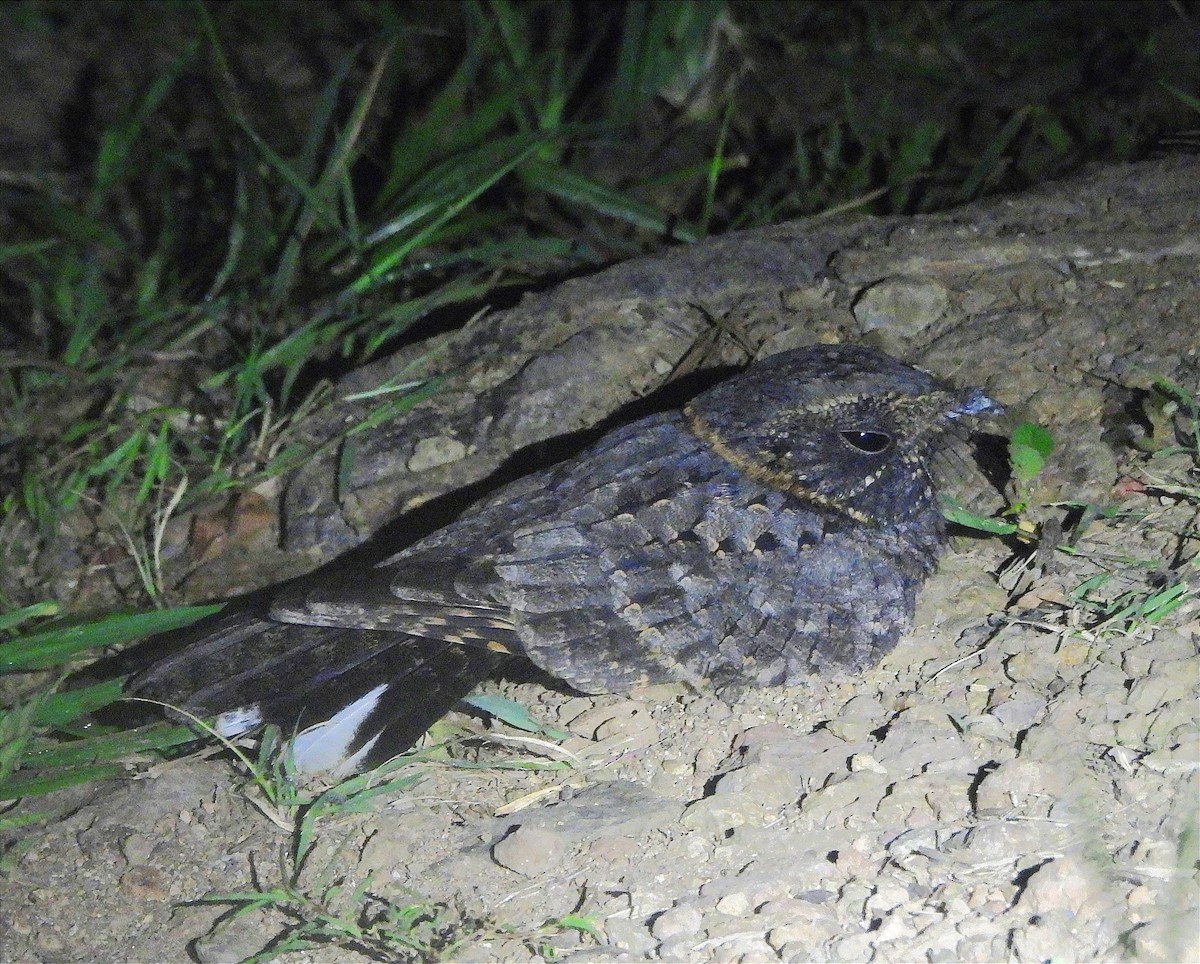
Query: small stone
[[735, 905], [1019, 715], [797, 952], [234, 939], [530, 850], [1011, 785], [856, 947], [636, 729], [628, 935], [981, 949], [429, 453], [1062, 884], [605, 714], [612, 849], [864, 761], [144, 882], [1053, 931], [763, 733], [137, 848], [887, 897], [895, 927], [717, 710], [903, 307], [676, 767], [1181, 758], [717, 814], [48, 941], [682, 920], [806, 933], [744, 947]]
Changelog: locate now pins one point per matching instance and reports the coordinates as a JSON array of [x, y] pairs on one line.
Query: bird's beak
[[975, 403]]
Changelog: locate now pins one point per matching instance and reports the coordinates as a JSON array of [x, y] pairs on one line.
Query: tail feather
[[424, 680], [355, 697]]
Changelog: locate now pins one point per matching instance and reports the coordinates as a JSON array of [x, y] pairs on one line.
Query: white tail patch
[[236, 722], [351, 763], [324, 746]]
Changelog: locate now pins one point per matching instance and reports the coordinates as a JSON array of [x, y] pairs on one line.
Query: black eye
[[870, 442]]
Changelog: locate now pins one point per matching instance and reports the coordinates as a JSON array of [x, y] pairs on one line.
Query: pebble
[[627, 935], [886, 898], [894, 927], [856, 947], [137, 847], [741, 947], [978, 950], [1065, 883], [798, 932], [143, 882], [429, 453], [530, 850], [902, 306], [48, 941], [235, 940], [864, 761], [716, 815], [1045, 939], [682, 920], [735, 905], [1183, 757], [1013, 784]]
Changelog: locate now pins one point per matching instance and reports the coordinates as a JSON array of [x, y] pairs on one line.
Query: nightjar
[[776, 527]]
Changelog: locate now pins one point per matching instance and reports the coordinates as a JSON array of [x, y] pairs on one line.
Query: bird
[[775, 528]]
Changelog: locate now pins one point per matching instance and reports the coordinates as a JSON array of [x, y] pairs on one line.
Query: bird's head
[[841, 426]]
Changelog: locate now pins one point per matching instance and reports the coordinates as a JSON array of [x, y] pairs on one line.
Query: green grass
[[315, 904], [315, 907], [437, 233], [47, 741]]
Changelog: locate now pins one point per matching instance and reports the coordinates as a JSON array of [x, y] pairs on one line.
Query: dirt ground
[[1019, 780]]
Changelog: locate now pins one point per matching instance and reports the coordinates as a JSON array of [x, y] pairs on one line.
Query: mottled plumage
[[777, 527]]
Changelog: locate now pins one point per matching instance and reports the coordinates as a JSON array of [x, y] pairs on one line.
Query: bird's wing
[[426, 594]]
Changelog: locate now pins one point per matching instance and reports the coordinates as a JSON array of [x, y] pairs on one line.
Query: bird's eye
[[873, 443]]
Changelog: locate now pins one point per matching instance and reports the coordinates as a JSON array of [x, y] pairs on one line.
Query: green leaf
[[512, 713], [53, 647], [584, 192], [1177, 392], [35, 784], [989, 161], [957, 514], [914, 158], [1189, 99], [582, 923], [36, 611], [59, 709], [1054, 134], [1028, 449], [1162, 604], [109, 747]]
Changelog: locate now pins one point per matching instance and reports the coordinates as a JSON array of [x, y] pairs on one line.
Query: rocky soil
[[1019, 780]]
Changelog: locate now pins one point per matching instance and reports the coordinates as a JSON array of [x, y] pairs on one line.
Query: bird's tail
[[353, 697]]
